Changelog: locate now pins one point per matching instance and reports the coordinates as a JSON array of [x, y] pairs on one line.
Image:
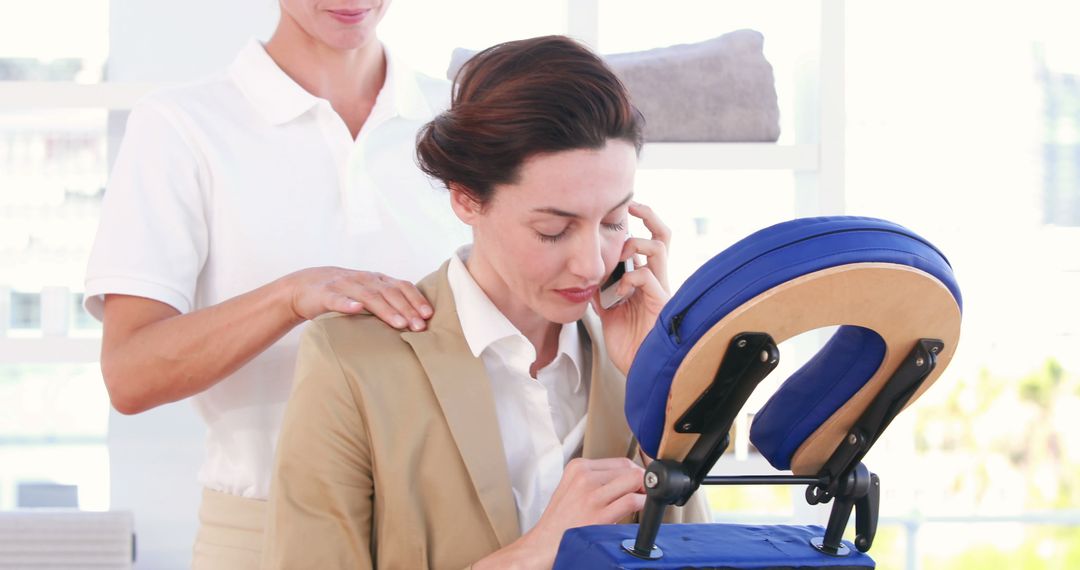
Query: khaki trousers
[[230, 532]]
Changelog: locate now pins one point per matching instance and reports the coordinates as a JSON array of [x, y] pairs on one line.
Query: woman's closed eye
[[552, 238]]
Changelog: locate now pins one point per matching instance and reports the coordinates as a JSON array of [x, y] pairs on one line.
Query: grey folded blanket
[[718, 90]]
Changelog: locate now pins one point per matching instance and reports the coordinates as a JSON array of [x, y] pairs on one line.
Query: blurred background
[[960, 120]]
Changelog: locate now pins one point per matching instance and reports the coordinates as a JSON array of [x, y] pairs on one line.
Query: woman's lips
[[349, 16], [578, 295]]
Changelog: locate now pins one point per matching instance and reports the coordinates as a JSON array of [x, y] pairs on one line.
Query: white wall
[[159, 40]]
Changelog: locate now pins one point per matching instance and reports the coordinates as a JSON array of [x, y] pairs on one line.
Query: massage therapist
[[245, 204]]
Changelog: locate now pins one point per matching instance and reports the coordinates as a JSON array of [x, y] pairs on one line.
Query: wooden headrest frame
[[900, 303]]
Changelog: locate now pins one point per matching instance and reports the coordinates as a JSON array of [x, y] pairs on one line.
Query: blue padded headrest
[[757, 263]]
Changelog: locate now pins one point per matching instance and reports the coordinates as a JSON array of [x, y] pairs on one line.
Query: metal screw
[[851, 439], [934, 349], [686, 426], [764, 356], [651, 480], [741, 343], [919, 361]]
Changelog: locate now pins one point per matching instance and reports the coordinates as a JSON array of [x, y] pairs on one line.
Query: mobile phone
[[608, 296]]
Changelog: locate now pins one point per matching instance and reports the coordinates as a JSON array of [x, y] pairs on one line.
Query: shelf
[[729, 156], [17, 95], [49, 350]]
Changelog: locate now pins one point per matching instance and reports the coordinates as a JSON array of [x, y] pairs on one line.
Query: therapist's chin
[[349, 39], [342, 36]]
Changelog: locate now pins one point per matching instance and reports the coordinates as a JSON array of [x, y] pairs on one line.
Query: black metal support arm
[[748, 359], [666, 483], [761, 480], [860, 490], [845, 477]]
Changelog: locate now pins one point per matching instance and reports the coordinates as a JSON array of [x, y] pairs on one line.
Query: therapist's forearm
[[177, 356]]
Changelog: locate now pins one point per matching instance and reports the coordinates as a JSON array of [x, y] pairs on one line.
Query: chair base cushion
[[713, 546]]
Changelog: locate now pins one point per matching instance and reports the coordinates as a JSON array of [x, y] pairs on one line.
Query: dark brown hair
[[519, 99]]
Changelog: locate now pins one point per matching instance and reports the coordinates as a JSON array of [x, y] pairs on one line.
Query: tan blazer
[[390, 454]]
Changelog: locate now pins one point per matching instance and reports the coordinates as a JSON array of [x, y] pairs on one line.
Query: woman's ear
[[465, 206]]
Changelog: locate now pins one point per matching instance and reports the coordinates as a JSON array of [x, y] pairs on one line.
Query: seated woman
[[482, 439]]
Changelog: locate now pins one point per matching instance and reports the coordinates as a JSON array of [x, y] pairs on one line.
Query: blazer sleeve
[[321, 503]]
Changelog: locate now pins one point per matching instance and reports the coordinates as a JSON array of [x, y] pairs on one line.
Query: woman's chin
[[564, 312]]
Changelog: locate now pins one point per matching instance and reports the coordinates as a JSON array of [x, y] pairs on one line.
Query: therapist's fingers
[[318, 290], [396, 299], [378, 294], [344, 304], [378, 306], [416, 299]]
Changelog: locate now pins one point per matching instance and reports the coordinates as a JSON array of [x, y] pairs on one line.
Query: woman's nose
[[587, 260]]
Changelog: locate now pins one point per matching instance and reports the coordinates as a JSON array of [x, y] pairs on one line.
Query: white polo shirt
[[542, 419], [227, 184]]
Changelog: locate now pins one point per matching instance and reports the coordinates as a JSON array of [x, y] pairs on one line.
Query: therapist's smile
[[350, 16]]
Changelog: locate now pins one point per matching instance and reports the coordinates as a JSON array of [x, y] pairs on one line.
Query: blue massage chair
[[897, 306]]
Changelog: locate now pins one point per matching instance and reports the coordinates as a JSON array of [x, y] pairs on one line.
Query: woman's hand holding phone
[[644, 291]]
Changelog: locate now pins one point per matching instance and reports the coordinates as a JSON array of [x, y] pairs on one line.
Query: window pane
[[1059, 82], [80, 319], [53, 166], [53, 424], [962, 162], [52, 401], [969, 138], [708, 210], [989, 545], [25, 310], [61, 40], [83, 464]]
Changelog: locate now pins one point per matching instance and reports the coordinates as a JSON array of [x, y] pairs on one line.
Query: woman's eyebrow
[[565, 214]]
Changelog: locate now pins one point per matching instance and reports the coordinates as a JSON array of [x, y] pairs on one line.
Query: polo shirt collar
[[280, 99], [484, 325], [274, 94], [404, 89]]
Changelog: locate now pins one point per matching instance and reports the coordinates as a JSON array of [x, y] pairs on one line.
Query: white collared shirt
[[227, 184], [542, 419]]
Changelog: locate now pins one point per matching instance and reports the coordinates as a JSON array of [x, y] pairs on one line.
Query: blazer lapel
[[606, 432], [463, 389]]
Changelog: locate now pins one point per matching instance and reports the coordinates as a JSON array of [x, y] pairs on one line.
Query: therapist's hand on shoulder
[[591, 491], [627, 324], [319, 290]]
